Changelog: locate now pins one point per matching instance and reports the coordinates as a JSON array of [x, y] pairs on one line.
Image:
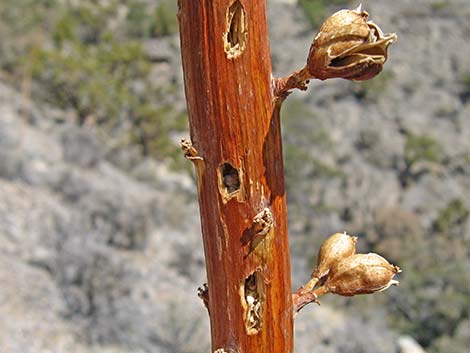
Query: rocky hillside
[[94, 257], [100, 246]]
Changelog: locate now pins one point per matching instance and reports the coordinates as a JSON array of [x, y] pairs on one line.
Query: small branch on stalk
[[190, 152], [301, 298], [298, 79], [203, 294]]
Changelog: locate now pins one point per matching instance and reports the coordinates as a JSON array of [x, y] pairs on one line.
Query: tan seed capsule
[[348, 46], [361, 274], [334, 248]]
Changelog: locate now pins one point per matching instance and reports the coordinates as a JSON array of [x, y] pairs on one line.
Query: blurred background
[[100, 246]]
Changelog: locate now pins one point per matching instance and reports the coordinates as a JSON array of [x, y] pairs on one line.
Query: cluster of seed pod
[[341, 271]]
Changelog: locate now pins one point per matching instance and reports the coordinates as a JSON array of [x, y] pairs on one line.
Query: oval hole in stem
[[236, 32]]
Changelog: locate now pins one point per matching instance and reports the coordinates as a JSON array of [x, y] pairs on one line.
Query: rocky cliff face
[[100, 248], [94, 258]]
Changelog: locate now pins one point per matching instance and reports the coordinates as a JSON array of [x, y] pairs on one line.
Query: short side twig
[[301, 298], [203, 293], [298, 79], [189, 151]]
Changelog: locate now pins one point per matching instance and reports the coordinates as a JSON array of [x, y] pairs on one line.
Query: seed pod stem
[[308, 287], [298, 79], [301, 299]]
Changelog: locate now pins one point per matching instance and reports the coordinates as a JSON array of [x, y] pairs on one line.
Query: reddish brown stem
[[235, 129], [301, 298]]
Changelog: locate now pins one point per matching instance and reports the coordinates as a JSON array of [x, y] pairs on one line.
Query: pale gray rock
[[407, 344], [93, 260], [326, 330]]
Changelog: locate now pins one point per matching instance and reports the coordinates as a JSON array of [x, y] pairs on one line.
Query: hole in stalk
[[231, 182], [236, 31], [230, 178], [253, 293]]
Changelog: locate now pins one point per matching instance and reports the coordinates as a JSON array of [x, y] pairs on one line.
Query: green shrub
[[368, 138], [94, 80], [452, 218], [418, 148], [138, 20], [302, 127], [83, 56], [440, 5], [165, 20], [465, 87], [21, 26], [457, 343], [434, 295], [422, 148]]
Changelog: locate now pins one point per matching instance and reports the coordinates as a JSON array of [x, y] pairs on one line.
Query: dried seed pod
[[348, 46], [361, 274], [333, 249]]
